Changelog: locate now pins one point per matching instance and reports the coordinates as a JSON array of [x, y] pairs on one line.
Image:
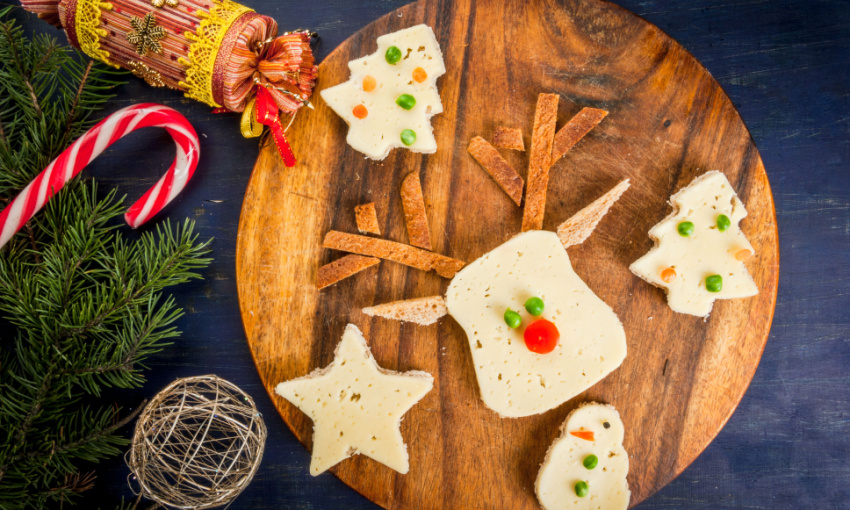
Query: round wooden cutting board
[[669, 122]]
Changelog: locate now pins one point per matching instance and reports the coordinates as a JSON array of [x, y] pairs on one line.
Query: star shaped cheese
[[589, 454], [392, 94], [356, 406], [682, 264]]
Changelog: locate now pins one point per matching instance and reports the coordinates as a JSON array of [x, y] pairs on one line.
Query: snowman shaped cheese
[[586, 467], [537, 333], [513, 380], [530, 359]]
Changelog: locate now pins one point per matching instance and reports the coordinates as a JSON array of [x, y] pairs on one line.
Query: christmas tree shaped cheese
[[586, 467], [699, 248], [392, 94], [356, 406], [513, 380]]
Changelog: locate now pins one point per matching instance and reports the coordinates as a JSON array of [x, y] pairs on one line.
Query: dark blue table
[[784, 63]]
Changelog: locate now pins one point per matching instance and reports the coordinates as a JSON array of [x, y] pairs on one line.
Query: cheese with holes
[[356, 406], [706, 252], [564, 467], [514, 381], [367, 101]]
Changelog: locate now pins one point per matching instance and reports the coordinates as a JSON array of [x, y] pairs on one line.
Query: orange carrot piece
[[587, 435]]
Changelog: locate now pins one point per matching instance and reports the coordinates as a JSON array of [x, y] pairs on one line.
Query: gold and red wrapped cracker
[[215, 51]]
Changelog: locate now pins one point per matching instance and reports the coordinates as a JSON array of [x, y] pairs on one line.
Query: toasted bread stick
[[367, 219], [539, 161], [342, 268], [393, 251], [415, 216], [575, 129], [500, 170], [508, 138]]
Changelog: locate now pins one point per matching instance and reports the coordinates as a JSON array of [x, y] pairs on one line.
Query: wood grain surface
[[669, 121]]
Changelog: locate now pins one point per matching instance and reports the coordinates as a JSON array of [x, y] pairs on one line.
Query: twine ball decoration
[[197, 444]]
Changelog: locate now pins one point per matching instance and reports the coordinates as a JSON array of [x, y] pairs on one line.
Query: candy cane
[[89, 146]]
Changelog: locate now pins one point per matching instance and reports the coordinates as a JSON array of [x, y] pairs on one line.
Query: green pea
[[406, 101], [393, 55], [582, 489], [714, 283], [685, 228], [512, 319], [590, 461], [534, 306], [408, 137], [723, 223]]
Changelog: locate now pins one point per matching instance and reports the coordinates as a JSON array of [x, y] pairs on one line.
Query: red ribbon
[[269, 115]]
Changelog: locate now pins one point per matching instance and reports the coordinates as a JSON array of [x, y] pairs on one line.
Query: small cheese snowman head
[[513, 380], [586, 466]]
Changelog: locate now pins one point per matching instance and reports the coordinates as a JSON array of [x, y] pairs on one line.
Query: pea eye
[[723, 223], [582, 489], [534, 306], [685, 228], [512, 319]]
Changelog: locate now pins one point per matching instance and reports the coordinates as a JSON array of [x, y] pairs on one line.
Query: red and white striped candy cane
[[89, 146]]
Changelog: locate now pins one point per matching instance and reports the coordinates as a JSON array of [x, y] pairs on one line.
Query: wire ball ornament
[[197, 444]]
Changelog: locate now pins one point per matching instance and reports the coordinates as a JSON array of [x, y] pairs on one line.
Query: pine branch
[[97, 435], [14, 50], [66, 138], [34, 98], [3, 136], [33, 245], [86, 305]]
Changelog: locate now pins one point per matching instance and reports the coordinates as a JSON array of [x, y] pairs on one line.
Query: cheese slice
[[564, 466], [514, 381], [707, 251], [380, 131], [356, 406]]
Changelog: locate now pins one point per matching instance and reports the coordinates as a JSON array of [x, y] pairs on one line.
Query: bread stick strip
[[367, 219], [415, 216], [575, 129], [342, 268], [500, 170], [508, 138], [578, 228], [395, 252], [539, 161], [422, 311]]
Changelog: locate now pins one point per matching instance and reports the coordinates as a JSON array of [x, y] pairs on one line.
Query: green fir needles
[[81, 307]]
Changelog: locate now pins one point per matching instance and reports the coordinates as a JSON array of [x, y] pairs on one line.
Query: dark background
[[785, 66]]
